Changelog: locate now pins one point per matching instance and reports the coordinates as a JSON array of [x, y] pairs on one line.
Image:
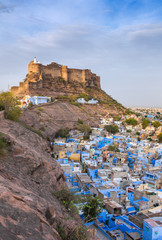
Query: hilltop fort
[[55, 79]]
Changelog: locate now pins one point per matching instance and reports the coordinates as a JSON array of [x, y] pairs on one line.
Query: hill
[[29, 176], [55, 80], [48, 118]]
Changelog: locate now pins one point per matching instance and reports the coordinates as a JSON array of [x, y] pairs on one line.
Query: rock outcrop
[[28, 177], [49, 118]]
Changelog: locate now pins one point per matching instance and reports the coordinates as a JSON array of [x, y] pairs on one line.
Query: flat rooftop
[[154, 222], [84, 178], [113, 204]]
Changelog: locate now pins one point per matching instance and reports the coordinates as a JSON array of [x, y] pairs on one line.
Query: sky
[[119, 40]]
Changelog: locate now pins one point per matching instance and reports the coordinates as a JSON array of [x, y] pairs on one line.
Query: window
[[147, 229], [156, 233]]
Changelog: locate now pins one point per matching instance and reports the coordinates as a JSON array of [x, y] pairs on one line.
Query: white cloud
[[128, 57]]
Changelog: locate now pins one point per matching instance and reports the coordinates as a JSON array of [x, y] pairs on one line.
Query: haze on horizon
[[121, 41]]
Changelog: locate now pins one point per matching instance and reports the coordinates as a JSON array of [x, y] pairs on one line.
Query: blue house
[[40, 99], [152, 228]]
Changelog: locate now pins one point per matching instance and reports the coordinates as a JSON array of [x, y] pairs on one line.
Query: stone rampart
[[42, 78]]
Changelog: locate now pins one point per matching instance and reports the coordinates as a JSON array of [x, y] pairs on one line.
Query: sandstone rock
[[27, 203]]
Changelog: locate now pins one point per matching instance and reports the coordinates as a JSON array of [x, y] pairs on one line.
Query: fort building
[[54, 77]]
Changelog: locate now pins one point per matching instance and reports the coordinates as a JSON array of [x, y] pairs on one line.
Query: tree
[[145, 122], [85, 128], [112, 128], [113, 148], [9, 104], [156, 124], [92, 208], [160, 137], [131, 121]]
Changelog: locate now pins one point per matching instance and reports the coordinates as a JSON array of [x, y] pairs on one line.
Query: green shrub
[[73, 98], [40, 109], [13, 114], [82, 108], [77, 233], [62, 97], [67, 199], [76, 104], [3, 145], [9, 104], [84, 95]]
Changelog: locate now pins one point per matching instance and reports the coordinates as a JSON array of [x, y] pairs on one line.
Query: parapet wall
[[76, 75], [68, 74]]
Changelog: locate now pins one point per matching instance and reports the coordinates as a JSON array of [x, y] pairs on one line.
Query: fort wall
[[64, 73], [68, 74], [83, 75], [54, 69], [75, 75], [34, 67], [46, 78]]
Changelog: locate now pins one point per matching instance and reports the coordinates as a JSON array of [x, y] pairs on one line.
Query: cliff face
[[29, 176], [55, 79]]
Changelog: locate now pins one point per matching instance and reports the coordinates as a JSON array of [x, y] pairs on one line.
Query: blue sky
[[120, 40]]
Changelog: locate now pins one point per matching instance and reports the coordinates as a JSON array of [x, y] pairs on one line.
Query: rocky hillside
[[29, 176], [47, 119]]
